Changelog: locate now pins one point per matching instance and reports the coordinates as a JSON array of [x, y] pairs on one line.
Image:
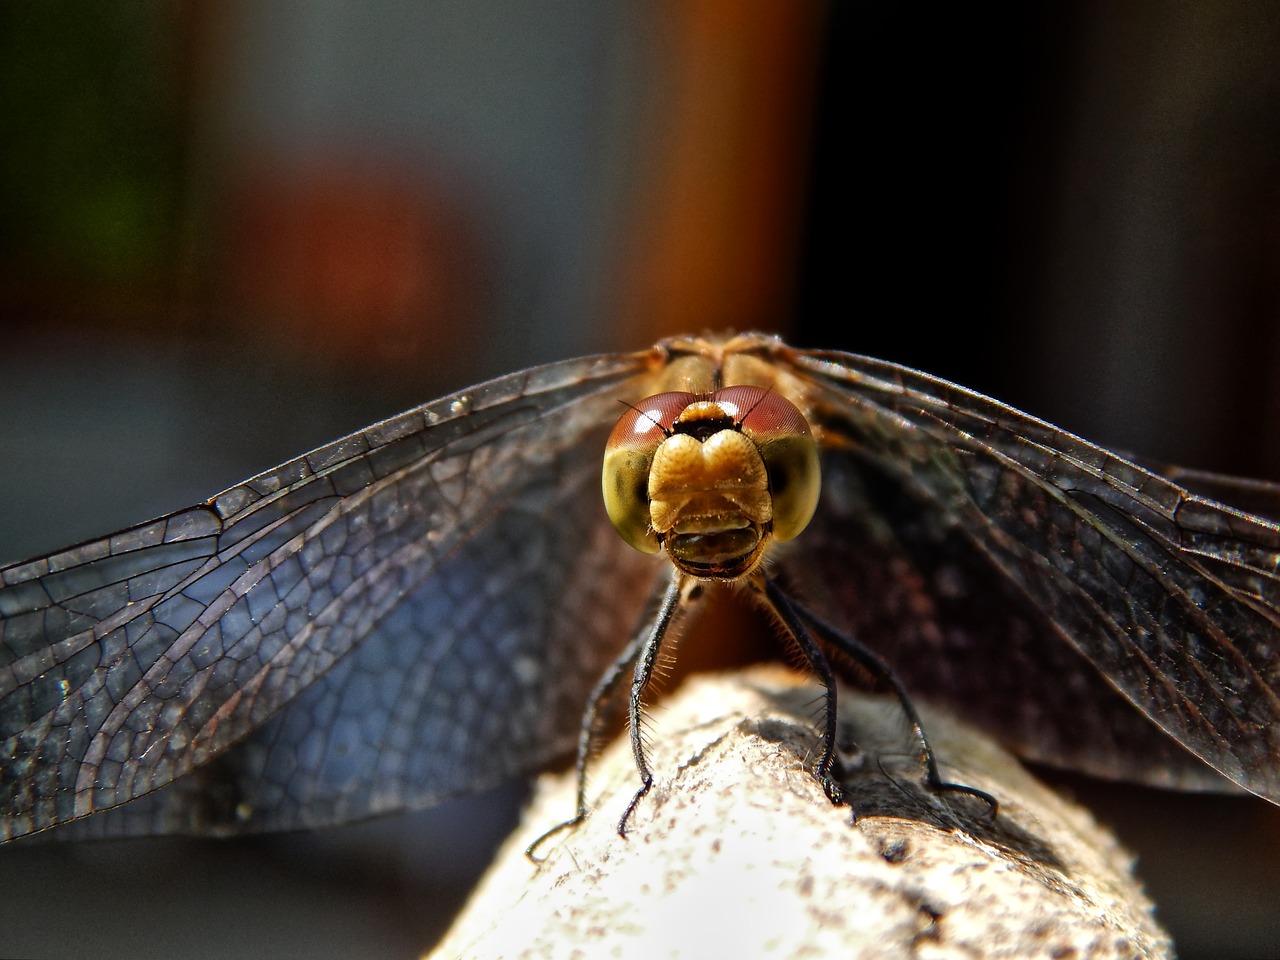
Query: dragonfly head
[[712, 479]]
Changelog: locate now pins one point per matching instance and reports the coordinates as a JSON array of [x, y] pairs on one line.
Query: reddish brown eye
[[627, 458], [788, 449], [646, 423], [761, 412]]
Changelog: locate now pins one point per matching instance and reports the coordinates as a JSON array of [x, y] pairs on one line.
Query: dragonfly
[[421, 609]]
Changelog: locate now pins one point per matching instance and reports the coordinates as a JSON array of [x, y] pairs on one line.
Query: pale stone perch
[[737, 853]]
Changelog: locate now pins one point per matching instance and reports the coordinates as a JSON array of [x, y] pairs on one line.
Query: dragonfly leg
[[671, 603], [787, 606], [786, 611], [590, 727]]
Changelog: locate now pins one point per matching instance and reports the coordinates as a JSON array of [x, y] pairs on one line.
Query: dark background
[[1076, 209], [231, 232]]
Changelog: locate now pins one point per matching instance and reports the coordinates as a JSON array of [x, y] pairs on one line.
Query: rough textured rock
[[736, 852]]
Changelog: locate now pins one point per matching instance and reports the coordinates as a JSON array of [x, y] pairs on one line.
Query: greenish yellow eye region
[[625, 482], [795, 481]]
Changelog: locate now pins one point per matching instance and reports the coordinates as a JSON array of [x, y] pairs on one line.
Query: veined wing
[[1041, 584], [412, 611], [419, 609], [1259, 497]]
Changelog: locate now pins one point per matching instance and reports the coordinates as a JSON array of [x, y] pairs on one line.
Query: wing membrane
[[419, 609], [1168, 597], [131, 661]]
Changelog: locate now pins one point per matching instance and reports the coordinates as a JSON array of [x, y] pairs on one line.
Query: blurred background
[[230, 232]]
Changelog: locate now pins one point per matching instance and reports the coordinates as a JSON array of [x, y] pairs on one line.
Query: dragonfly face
[[328, 640], [713, 480]]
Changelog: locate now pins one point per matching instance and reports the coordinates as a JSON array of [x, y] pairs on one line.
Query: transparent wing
[[970, 541], [400, 615]]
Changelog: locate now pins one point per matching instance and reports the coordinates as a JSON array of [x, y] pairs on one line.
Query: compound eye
[[627, 458], [781, 434]]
